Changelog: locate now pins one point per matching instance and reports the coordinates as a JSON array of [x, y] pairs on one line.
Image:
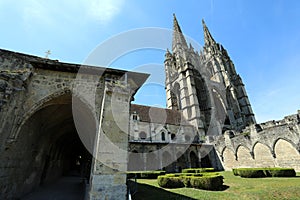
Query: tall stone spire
[[208, 39], [178, 38], [176, 26]]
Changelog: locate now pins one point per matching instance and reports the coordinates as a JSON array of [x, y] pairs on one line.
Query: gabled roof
[[157, 115]]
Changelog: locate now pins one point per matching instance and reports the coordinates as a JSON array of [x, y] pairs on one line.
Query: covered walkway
[[66, 188]]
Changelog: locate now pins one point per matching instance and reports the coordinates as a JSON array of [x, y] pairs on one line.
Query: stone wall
[[45, 105], [270, 144]]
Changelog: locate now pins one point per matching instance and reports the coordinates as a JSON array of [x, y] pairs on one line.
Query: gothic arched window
[[173, 136], [163, 136], [175, 97]]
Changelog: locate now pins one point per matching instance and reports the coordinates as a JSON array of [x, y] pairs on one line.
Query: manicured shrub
[[210, 174], [198, 170], [173, 175], [251, 173], [235, 171], [207, 182], [186, 174], [170, 182], [189, 171], [186, 181], [282, 172], [198, 174], [145, 174], [264, 172]]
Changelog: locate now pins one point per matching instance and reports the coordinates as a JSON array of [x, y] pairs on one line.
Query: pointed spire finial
[[203, 23], [178, 38], [208, 39], [176, 26]]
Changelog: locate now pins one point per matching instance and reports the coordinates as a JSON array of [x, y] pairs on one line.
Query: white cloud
[[36, 13], [103, 10], [58, 14]]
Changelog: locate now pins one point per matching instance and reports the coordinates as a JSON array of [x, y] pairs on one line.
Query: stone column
[[108, 173]]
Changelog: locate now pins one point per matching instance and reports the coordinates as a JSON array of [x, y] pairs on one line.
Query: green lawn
[[236, 188]]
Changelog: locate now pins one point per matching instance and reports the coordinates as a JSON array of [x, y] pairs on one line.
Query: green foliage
[[251, 173], [186, 174], [246, 134], [170, 182], [197, 175], [282, 172], [207, 182], [235, 171], [198, 170], [264, 172], [186, 181], [210, 174]]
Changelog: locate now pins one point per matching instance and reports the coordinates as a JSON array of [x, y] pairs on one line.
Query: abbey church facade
[[209, 121], [57, 118], [205, 98]]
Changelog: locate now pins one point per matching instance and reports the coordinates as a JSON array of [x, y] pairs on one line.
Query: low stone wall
[[270, 144]]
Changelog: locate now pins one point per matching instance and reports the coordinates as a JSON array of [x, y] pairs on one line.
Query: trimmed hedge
[[282, 172], [145, 174], [235, 171], [170, 182], [251, 173], [197, 170], [186, 181], [264, 172], [206, 181]]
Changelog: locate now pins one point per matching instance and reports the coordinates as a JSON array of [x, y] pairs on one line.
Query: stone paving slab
[[66, 188]]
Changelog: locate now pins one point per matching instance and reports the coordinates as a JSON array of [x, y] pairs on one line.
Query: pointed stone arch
[[239, 146], [49, 143], [285, 139], [229, 159], [152, 162], [286, 154], [49, 100], [167, 161], [244, 157], [263, 155], [181, 161], [135, 161]]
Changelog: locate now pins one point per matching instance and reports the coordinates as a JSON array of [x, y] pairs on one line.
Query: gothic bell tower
[[238, 111], [205, 86], [180, 83]]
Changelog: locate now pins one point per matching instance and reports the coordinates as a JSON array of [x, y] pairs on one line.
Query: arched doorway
[[135, 162], [205, 162], [194, 160], [181, 161], [49, 147], [152, 161], [167, 163]]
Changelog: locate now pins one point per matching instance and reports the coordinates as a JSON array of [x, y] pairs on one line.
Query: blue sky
[[262, 39]]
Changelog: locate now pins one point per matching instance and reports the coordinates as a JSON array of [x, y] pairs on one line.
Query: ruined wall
[[270, 144]]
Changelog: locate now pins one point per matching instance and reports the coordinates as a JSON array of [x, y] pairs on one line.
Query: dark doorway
[[194, 160], [50, 147], [205, 162]]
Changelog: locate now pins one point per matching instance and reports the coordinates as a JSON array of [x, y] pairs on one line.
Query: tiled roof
[[157, 115]]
